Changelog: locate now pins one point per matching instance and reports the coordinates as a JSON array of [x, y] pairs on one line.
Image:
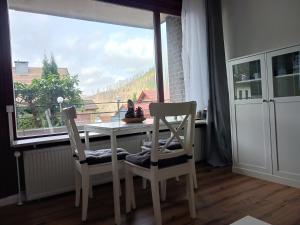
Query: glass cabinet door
[[285, 74], [247, 80]]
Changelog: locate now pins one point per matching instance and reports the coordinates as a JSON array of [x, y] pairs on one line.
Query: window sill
[[64, 138], [48, 140]]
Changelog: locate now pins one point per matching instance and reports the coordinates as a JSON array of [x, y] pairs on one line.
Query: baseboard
[[10, 200], [268, 177]]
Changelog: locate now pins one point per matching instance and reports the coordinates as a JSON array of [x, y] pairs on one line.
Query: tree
[[26, 95], [42, 94], [49, 67], [134, 97], [52, 87]]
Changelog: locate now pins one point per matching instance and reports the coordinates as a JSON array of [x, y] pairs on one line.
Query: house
[[144, 99], [24, 74], [245, 156], [88, 113]]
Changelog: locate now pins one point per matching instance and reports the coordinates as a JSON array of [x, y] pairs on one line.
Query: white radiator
[[49, 171]]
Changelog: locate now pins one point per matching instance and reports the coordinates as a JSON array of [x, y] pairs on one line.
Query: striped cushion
[[173, 145], [143, 159], [102, 156]]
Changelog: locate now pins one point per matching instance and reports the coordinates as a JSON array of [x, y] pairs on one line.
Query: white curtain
[[194, 52]]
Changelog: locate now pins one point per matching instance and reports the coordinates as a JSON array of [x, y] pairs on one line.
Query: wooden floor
[[222, 198]]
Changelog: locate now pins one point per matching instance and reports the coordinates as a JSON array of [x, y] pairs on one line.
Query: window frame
[[148, 5]]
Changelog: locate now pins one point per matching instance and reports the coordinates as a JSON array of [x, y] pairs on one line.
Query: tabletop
[[120, 127]]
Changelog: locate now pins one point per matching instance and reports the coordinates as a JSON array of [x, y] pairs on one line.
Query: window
[[65, 60], [95, 56]]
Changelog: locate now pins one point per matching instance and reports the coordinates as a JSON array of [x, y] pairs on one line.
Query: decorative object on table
[[134, 120], [139, 113], [130, 111], [132, 116]]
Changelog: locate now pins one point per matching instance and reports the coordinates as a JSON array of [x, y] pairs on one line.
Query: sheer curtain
[[205, 74], [194, 52]]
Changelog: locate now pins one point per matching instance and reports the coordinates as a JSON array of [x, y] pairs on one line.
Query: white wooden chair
[[162, 163], [87, 162], [147, 145], [163, 196]]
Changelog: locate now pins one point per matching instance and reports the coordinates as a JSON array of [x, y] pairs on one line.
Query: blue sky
[[100, 54]]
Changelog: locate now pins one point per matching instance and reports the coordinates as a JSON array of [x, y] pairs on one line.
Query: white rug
[[249, 220]]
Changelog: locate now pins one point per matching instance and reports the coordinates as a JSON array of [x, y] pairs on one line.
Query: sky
[[100, 54]]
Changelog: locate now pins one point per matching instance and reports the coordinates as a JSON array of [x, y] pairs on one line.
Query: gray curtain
[[218, 137]]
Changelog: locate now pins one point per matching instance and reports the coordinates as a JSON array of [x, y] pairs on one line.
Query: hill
[[128, 89]]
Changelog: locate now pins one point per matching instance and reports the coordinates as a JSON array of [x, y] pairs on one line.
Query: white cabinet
[[250, 114], [265, 114], [284, 92]]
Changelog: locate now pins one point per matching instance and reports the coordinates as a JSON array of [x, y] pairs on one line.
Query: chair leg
[[131, 185], [128, 192], [195, 175], [195, 179], [191, 194], [91, 195], [163, 191], [77, 188], [85, 195], [120, 189], [156, 201], [144, 183]]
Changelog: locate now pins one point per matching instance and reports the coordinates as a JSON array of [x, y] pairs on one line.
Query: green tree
[[52, 87], [42, 94], [134, 98], [49, 67], [26, 96]]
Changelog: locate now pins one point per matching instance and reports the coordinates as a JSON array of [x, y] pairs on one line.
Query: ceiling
[[88, 10]]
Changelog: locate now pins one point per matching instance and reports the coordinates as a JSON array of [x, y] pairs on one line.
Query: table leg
[[87, 140], [116, 179]]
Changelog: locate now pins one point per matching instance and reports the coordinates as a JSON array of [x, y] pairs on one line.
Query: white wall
[[252, 26]]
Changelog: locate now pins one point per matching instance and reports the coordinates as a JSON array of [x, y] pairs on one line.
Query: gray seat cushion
[[173, 145], [143, 159], [103, 155]]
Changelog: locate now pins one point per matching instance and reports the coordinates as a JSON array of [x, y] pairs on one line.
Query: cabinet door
[[284, 92], [250, 114]]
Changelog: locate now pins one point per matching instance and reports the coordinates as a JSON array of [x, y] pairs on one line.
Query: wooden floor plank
[[222, 198]]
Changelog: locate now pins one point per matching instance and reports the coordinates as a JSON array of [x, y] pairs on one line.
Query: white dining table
[[114, 129]]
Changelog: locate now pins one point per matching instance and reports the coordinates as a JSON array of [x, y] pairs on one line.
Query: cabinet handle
[[264, 100], [272, 100]]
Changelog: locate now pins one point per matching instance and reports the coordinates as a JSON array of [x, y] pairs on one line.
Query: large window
[[87, 57]]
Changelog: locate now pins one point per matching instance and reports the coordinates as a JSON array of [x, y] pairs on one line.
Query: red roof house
[[144, 99]]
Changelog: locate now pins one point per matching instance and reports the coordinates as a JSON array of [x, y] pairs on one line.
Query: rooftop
[[34, 73]]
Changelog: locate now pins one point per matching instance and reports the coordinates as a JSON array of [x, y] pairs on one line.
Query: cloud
[[100, 54], [93, 79], [130, 56], [141, 48]]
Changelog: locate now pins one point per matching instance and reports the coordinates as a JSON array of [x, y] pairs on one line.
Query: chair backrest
[[162, 110], [69, 115]]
